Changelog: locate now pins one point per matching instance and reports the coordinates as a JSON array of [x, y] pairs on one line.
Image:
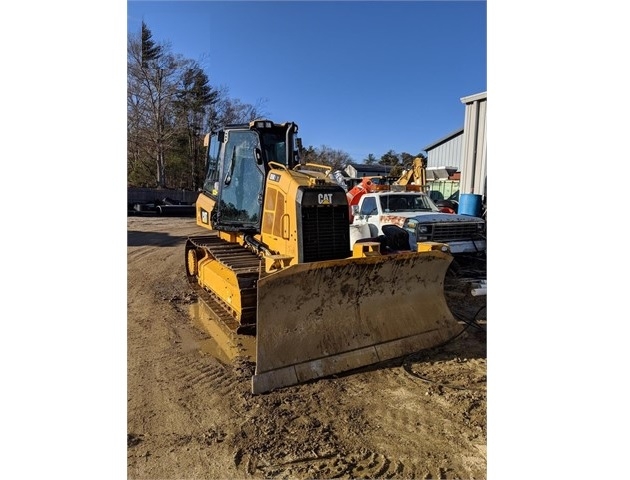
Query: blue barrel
[[469, 204]]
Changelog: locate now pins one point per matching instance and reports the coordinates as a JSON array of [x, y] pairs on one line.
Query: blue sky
[[362, 77]]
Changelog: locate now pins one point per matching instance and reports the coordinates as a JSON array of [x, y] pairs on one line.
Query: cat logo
[[324, 198]]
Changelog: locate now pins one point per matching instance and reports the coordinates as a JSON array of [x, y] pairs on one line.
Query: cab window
[[210, 184], [368, 207]]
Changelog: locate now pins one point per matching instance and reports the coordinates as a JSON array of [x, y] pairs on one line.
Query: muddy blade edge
[[323, 318]]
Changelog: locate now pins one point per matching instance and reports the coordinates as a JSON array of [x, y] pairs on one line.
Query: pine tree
[[150, 51]]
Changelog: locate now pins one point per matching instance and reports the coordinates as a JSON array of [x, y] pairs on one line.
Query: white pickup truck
[[416, 213]]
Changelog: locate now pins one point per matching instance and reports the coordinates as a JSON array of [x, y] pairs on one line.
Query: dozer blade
[[318, 319]]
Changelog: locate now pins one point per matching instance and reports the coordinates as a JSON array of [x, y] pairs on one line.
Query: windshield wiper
[[228, 177]]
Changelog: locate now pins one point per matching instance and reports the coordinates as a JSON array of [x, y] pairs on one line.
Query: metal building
[[463, 150], [474, 151]]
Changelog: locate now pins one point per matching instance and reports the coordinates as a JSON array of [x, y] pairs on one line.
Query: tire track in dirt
[[360, 464], [138, 254], [213, 378]]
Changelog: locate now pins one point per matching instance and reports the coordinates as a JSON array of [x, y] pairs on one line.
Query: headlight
[[481, 227], [423, 232]]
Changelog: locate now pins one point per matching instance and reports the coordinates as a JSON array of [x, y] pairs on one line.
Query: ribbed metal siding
[[449, 154], [474, 153]]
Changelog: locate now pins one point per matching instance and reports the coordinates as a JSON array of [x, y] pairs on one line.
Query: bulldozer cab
[[238, 161]]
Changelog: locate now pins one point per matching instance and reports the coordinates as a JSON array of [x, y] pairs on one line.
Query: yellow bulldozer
[[278, 263]]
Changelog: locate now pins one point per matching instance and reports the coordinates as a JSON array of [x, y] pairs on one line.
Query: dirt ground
[[192, 416]]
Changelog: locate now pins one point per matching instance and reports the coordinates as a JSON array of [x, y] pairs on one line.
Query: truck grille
[[444, 232], [325, 233]]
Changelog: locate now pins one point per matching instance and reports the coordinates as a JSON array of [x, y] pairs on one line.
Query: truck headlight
[[423, 232], [481, 227]]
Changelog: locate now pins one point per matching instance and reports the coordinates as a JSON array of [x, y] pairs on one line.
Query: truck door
[[368, 213]]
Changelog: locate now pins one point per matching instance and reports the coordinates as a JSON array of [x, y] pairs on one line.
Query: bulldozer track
[[242, 262], [234, 256], [220, 309]]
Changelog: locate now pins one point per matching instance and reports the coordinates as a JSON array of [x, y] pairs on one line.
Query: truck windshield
[[407, 203]]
